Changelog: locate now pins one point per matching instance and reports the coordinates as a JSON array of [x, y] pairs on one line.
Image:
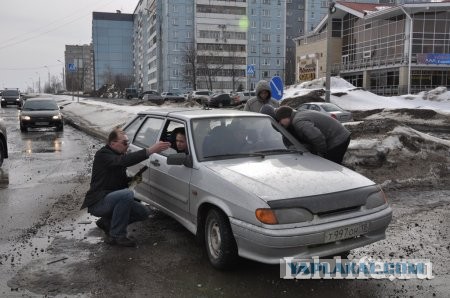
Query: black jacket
[[319, 130], [109, 173]]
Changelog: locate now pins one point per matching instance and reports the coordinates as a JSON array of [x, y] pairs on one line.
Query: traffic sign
[[276, 86], [250, 69], [71, 67]]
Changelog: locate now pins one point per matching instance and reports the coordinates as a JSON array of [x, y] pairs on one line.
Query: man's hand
[[158, 147]]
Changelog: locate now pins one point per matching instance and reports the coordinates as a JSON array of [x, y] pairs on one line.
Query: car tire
[[129, 97], [220, 105], [220, 244], [3, 106], [2, 153], [23, 128], [60, 128]]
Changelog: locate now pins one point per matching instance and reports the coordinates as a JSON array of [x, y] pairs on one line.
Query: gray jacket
[[255, 104], [319, 130]]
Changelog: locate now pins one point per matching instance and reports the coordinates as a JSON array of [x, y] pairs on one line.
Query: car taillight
[[333, 116]]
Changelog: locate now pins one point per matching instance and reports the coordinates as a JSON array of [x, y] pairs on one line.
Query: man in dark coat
[[109, 196], [326, 136]]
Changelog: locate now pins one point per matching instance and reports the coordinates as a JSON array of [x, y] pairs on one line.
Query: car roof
[[196, 113]]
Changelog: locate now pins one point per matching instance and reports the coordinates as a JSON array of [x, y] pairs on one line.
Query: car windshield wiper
[[274, 151], [250, 154]]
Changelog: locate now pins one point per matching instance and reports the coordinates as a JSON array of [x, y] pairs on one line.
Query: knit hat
[[268, 110], [283, 112]]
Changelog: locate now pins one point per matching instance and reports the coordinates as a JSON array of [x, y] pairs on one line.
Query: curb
[[97, 133]]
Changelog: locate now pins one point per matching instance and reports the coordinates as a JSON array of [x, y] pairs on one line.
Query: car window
[[10, 93], [232, 137], [171, 129], [133, 127], [31, 105], [328, 107], [148, 134], [314, 107]]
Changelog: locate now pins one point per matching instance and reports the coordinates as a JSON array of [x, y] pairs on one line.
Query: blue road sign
[[276, 86], [250, 69], [71, 67]]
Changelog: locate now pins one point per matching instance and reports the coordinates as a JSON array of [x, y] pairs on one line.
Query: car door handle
[[155, 163]]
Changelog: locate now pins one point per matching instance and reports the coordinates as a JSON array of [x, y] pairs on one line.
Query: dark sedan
[[220, 100], [40, 112]]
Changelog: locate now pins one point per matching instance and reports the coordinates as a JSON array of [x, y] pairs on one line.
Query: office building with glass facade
[[389, 49], [112, 39]]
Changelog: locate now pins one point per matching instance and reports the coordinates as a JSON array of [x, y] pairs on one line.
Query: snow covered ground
[[405, 143]]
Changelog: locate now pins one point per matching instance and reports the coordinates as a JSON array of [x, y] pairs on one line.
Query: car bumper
[[269, 245], [41, 123], [11, 102]]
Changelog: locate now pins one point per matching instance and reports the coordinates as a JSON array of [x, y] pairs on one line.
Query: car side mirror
[[61, 107], [179, 159]]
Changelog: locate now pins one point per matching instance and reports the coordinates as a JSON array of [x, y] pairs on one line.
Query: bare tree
[[190, 70], [210, 67], [122, 81]]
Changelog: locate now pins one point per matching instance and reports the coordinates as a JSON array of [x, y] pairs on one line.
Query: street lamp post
[[410, 31], [331, 10]]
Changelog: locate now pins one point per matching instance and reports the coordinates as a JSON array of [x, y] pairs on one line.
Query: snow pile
[[351, 98]]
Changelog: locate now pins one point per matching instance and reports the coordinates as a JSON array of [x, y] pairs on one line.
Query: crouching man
[[109, 197]]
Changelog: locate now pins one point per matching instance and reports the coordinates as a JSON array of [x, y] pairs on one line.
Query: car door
[[147, 132], [170, 184]]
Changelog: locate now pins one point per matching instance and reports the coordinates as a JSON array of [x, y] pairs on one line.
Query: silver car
[[247, 188], [331, 109]]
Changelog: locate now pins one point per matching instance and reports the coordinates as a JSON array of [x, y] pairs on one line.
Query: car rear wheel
[[219, 240]]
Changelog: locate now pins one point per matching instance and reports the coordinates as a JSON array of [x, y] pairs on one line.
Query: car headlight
[[56, 117], [17, 99], [3, 99], [376, 199], [283, 216], [25, 117]]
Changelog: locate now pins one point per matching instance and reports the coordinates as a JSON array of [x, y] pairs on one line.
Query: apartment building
[[182, 45]]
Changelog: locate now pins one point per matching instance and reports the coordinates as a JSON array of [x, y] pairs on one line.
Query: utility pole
[[331, 10]]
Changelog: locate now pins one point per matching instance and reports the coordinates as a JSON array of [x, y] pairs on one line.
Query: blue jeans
[[120, 207]]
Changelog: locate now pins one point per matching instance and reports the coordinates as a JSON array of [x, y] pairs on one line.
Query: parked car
[[131, 93], [173, 96], [328, 108], [248, 188], [3, 142], [200, 96], [243, 97], [141, 94], [40, 112], [154, 97], [11, 97], [220, 100]]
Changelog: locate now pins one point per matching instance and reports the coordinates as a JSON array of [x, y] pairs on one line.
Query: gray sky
[[33, 34]]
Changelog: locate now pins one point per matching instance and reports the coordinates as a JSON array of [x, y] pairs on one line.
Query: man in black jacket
[[109, 196], [326, 136]]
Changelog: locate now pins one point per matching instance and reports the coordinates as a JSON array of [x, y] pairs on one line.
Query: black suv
[[12, 97]]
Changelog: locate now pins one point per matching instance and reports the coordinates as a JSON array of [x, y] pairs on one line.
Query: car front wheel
[[219, 240], [23, 128]]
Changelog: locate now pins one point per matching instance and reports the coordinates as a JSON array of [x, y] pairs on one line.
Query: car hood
[[39, 113], [278, 177]]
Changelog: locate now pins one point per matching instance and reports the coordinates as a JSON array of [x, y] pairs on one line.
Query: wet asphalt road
[[49, 247]]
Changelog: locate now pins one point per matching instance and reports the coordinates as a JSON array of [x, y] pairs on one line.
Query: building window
[[265, 74], [266, 37], [174, 22], [266, 13]]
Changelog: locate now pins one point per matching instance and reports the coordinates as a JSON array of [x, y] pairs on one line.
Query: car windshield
[[10, 93], [234, 137], [33, 105], [328, 107]]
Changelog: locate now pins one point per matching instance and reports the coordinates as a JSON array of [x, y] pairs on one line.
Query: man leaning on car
[[109, 196]]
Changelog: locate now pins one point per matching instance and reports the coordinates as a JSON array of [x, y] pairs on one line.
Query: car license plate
[[41, 123], [346, 232]]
